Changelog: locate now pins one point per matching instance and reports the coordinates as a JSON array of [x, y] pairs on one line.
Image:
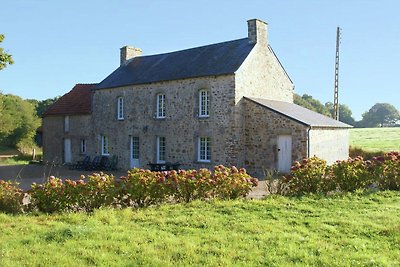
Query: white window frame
[[204, 149], [120, 108], [83, 146], [161, 148], [160, 112], [105, 151], [204, 103], [135, 147], [66, 124]]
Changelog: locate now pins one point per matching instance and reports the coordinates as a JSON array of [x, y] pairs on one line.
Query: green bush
[[352, 174], [315, 176], [140, 188], [386, 169], [310, 176], [10, 197]]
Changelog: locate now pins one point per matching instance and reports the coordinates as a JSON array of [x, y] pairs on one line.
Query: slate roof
[[209, 60], [76, 101], [300, 114]]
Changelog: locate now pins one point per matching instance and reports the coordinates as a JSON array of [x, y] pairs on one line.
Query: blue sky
[[56, 44]]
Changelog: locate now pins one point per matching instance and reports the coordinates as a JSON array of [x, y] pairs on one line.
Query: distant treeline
[[379, 115], [19, 120]]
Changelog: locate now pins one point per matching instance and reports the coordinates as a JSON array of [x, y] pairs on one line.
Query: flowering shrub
[[139, 188], [310, 176], [232, 183], [56, 196], [89, 193], [10, 197], [315, 176], [143, 187], [48, 197], [352, 174], [386, 169]]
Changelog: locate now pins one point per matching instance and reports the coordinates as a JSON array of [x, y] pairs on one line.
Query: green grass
[[376, 139], [350, 230]]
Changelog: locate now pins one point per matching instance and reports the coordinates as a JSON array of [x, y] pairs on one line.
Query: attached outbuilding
[[278, 133]]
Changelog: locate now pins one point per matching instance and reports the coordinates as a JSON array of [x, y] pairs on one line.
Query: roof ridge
[[192, 48]]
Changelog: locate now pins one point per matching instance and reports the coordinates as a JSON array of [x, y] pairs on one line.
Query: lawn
[[348, 230], [376, 139]]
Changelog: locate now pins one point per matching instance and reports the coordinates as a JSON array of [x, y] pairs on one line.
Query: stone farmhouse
[[228, 103]]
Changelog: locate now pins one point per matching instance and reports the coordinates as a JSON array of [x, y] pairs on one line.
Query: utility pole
[[336, 92]]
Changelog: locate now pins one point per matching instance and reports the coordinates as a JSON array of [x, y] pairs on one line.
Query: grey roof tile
[[300, 114], [209, 60]]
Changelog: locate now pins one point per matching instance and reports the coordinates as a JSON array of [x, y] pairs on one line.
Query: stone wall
[[330, 144], [181, 127], [54, 135], [262, 76], [262, 128]]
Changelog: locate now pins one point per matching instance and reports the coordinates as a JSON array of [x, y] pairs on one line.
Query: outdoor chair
[[82, 165], [94, 164], [113, 162]]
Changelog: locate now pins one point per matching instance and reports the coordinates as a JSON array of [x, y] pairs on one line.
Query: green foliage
[[315, 176], [42, 105], [345, 114], [309, 102], [380, 114], [140, 188], [5, 58], [310, 176], [10, 197], [56, 196], [18, 122], [358, 229]]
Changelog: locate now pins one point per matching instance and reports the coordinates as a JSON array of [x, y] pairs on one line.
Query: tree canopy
[[18, 122], [309, 102], [5, 58], [380, 114]]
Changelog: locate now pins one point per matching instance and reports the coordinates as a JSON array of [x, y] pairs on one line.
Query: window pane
[[160, 106], [120, 108], [104, 145], [204, 103], [161, 149], [135, 147], [204, 149]]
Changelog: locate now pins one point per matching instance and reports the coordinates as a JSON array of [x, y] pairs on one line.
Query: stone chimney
[[128, 52], [257, 31]]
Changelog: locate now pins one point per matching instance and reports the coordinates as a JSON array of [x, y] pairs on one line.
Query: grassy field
[[350, 230], [376, 139]]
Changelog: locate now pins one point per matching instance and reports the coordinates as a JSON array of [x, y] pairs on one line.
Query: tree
[[18, 122], [345, 114], [380, 114], [5, 58], [309, 102]]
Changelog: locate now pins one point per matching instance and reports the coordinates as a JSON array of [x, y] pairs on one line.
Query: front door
[[134, 152], [67, 151], [284, 153]]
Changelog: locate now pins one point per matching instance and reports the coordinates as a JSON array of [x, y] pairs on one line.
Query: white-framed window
[[135, 147], [204, 149], [104, 146], [160, 149], [160, 106], [83, 146], [204, 103], [120, 108], [66, 124]]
